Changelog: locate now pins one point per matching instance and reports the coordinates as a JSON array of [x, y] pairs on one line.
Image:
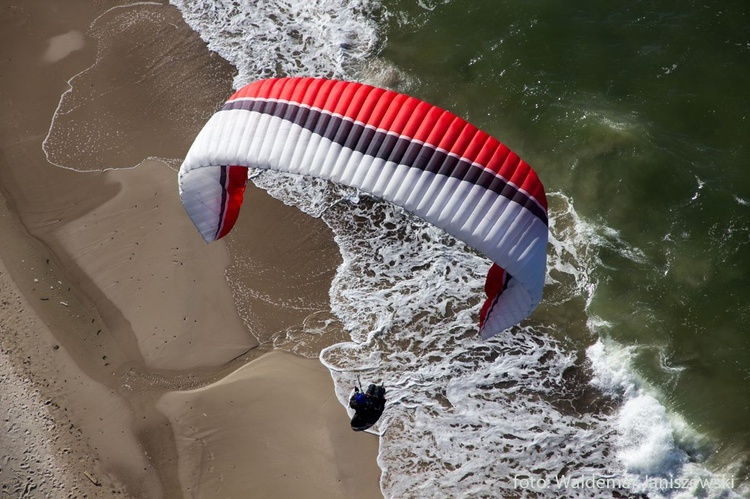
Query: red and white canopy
[[395, 147]]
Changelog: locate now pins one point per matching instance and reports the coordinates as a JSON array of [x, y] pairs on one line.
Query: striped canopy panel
[[395, 147]]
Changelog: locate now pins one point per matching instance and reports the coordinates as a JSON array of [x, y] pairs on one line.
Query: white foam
[[286, 37], [611, 368], [646, 439]]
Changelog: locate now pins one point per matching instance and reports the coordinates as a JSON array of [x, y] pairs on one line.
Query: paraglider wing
[[395, 147]]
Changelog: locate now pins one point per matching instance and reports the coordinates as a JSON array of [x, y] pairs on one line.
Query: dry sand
[[302, 453], [126, 367]]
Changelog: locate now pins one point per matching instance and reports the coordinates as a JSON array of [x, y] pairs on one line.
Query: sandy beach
[[129, 366]]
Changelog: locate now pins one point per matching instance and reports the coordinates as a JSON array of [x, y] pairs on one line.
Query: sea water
[[632, 374]]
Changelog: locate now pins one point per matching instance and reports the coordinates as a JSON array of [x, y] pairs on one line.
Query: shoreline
[[102, 314]]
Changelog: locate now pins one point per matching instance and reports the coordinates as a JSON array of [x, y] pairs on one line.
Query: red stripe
[[235, 187], [493, 287]]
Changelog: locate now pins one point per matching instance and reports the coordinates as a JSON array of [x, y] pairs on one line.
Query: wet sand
[[127, 364]]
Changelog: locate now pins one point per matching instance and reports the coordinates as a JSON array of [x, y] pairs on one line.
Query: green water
[[639, 113]]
